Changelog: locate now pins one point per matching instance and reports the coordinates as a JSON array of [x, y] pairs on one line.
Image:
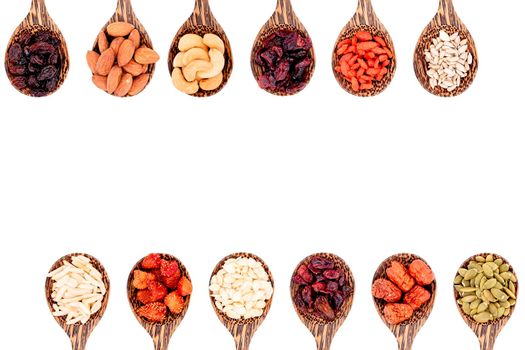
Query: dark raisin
[[19, 82], [52, 84], [41, 47], [15, 53], [32, 81], [47, 73], [53, 59], [16, 69]]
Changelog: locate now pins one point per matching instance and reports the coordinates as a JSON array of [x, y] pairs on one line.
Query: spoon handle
[[405, 337], [243, 335], [365, 13], [487, 341], [202, 13], [124, 10], [79, 336], [284, 13], [446, 12]]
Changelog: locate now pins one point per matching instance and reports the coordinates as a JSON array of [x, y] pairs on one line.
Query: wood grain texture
[[283, 18], [78, 333], [201, 22], [323, 331], [242, 330], [405, 332], [365, 18], [487, 333], [448, 20], [161, 333]]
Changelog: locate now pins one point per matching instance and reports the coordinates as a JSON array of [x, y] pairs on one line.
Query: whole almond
[[115, 44], [145, 55], [139, 83], [100, 82], [117, 29], [124, 86], [105, 62], [135, 37], [92, 59], [114, 79], [125, 53], [102, 42], [134, 68]]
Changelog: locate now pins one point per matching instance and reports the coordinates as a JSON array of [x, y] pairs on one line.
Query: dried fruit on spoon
[[161, 288], [321, 288], [405, 289], [363, 60]]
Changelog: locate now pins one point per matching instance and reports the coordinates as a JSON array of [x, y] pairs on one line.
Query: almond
[[114, 79], [105, 62], [145, 55], [135, 37], [125, 53], [117, 29], [115, 44], [139, 83], [124, 86], [134, 68], [100, 81], [102, 42], [92, 59]]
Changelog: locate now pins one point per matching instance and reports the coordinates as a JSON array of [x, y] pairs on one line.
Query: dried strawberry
[[171, 282], [157, 290], [185, 287], [145, 296], [152, 261], [153, 312], [174, 302], [141, 279], [169, 268]]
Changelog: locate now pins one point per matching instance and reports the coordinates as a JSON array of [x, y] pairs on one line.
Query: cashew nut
[[211, 83], [189, 41], [191, 70], [194, 54], [214, 42], [181, 84], [217, 61], [177, 62]]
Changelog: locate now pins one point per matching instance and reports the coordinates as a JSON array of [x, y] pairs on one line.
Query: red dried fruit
[[41, 47], [386, 290], [397, 313], [141, 279], [299, 280], [152, 261], [322, 264], [19, 82], [305, 274], [185, 287], [153, 312], [145, 297], [169, 268], [323, 308], [170, 282], [398, 274], [319, 287], [421, 272], [15, 52], [47, 73], [307, 296], [332, 287], [416, 297], [158, 291], [331, 274], [174, 302]]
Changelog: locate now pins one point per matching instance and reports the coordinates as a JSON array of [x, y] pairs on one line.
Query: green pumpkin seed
[[509, 293], [512, 287], [493, 310], [466, 308], [471, 274], [483, 317], [488, 296], [483, 307], [462, 272], [465, 283], [507, 312], [504, 268], [477, 280], [468, 289], [482, 282], [499, 278], [498, 294], [512, 302], [478, 293], [491, 283], [458, 279], [501, 311], [498, 286], [505, 304], [487, 270], [480, 259], [475, 304], [458, 287], [498, 261], [489, 258], [473, 283], [469, 298]]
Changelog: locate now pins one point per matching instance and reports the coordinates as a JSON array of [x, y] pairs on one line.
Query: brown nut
[[102, 42], [105, 62], [114, 79], [116, 43], [92, 59], [117, 29], [182, 84], [211, 83], [124, 86], [139, 83], [125, 53]]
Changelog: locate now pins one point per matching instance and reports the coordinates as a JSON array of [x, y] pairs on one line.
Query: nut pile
[[449, 61], [404, 291], [160, 286], [78, 290], [486, 289], [241, 288], [199, 64], [285, 61], [363, 60], [121, 60], [34, 62], [321, 289]]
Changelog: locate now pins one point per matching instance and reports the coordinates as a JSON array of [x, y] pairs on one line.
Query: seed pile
[[34, 63], [486, 289], [199, 64], [449, 61], [160, 286], [121, 60], [78, 290], [404, 291], [363, 60], [241, 288], [321, 289]]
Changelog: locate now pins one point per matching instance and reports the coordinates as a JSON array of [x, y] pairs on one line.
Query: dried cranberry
[[324, 309], [299, 280], [332, 287], [307, 295], [305, 274], [282, 70], [319, 287], [322, 264], [331, 274], [338, 299]]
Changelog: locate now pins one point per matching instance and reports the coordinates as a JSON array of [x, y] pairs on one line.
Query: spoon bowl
[[324, 331], [445, 20], [160, 332], [78, 333], [242, 330], [406, 331], [365, 19]]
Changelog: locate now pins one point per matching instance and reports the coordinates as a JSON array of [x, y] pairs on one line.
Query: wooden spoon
[[38, 19], [242, 330], [285, 18], [203, 22], [161, 333], [324, 331], [446, 19], [365, 19], [486, 332], [405, 332], [79, 333]]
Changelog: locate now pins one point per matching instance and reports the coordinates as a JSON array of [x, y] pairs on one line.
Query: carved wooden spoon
[[324, 331], [365, 19], [38, 20], [283, 18], [160, 332], [405, 332], [79, 333], [203, 22], [242, 330], [447, 20], [486, 332]]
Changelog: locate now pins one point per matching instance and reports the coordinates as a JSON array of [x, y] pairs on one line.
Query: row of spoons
[[203, 21], [244, 329]]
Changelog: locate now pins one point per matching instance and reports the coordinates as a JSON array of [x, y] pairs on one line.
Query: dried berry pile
[[363, 59], [160, 286], [34, 63], [321, 289], [405, 290], [285, 61]]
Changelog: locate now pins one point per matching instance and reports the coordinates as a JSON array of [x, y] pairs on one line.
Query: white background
[[246, 171]]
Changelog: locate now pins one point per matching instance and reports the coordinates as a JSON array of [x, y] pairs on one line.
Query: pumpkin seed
[[499, 286], [465, 283], [498, 261], [512, 302], [493, 310], [489, 258], [468, 289], [505, 304], [512, 287], [507, 312], [475, 304], [477, 280], [480, 259], [499, 278], [483, 307], [488, 295], [501, 311], [498, 294], [504, 268], [511, 294], [491, 283], [462, 272], [471, 274], [469, 299], [466, 308], [483, 317], [458, 279]]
